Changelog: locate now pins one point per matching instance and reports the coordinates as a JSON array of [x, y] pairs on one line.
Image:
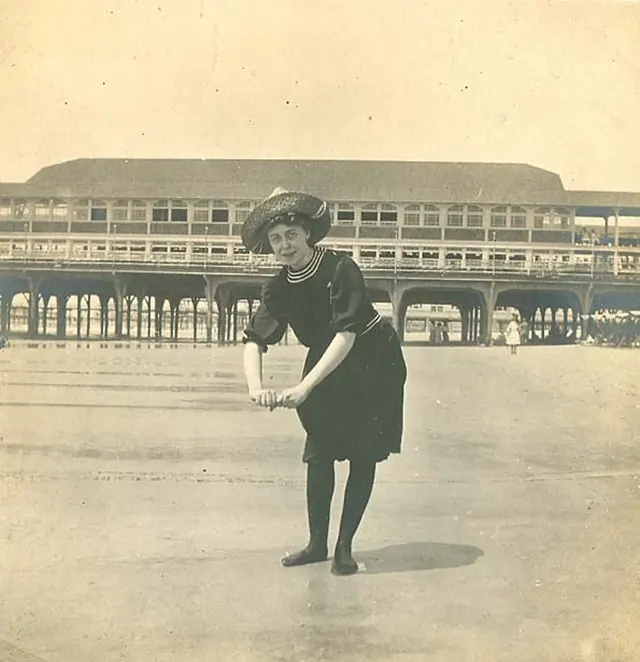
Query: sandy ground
[[146, 505]]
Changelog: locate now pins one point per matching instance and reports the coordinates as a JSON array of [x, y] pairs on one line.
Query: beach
[[146, 504]]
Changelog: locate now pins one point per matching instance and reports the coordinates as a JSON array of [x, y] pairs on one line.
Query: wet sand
[[146, 504]]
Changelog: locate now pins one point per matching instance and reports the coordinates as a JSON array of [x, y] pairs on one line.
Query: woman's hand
[[264, 397], [293, 397]]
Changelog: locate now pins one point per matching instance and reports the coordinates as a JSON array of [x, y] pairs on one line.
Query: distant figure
[[432, 332], [513, 334], [445, 332], [438, 333], [3, 342]]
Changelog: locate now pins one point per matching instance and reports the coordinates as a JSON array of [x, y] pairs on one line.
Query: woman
[[350, 397], [512, 335]]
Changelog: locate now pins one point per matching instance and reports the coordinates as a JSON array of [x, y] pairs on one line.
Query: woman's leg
[[356, 498], [320, 485]]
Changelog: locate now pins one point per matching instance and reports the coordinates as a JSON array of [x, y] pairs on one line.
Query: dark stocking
[[320, 484], [356, 498]]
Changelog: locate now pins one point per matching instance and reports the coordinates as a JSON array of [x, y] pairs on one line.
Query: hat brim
[[290, 202]]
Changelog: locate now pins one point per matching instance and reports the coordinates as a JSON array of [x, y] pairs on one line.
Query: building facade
[[431, 231]]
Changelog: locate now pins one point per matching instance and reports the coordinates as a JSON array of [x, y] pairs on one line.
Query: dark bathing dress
[[356, 412]]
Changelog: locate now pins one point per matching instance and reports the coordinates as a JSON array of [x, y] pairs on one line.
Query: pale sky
[[553, 83]]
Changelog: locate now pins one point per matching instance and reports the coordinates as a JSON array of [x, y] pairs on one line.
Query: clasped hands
[[290, 398]]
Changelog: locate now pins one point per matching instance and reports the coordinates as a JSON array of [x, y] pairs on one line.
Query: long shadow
[[413, 556]]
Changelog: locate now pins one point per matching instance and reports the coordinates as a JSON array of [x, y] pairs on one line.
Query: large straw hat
[[279, 203]]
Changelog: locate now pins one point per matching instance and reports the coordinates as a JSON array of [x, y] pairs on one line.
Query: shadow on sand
[[417, 556]]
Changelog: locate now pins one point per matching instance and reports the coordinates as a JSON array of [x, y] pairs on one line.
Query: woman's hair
[[291, 219]]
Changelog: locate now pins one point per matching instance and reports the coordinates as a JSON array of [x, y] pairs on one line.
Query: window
[[561, 217], [82, 210], [42, 211], [412, 215], [345, 214], [5, 208], [499, 217], [220, 211], [518, 217], [160, 211], [201, 212], [98, 210], [120, 210], [410, 254], [125, 210], [388, 215], [431, 216], [455, 215], [474, 216], [59, 210], [20, 210], [383, 214], [138, 210], [178, 212], [540, 217], [430, 255], [369, 214], [242, 211], [547, 217]]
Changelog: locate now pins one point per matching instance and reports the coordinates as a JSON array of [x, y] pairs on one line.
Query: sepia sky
[[553, 83]]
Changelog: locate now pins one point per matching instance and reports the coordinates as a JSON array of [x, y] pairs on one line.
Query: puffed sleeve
[[266, 326], [351, 307]]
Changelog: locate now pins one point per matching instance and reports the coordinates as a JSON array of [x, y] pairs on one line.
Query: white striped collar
[[373, 322], [299, 275]]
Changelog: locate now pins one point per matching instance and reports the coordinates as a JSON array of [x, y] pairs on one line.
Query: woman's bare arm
[[253, 374]]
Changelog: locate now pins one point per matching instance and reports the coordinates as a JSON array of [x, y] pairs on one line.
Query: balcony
[[196, 254]]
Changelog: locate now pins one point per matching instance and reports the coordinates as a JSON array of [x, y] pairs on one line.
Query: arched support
[[195, 302], [5, 312], [119, 293], [214, 293], [61, 316], [174, 305], [128, 301], [398, 309], [78, 316], [46, 299], [585, 297], [104, 315], [88, 315], [140, 305], [465, 317], [489, 299], [233, 322], [159, 314], [149, 300]]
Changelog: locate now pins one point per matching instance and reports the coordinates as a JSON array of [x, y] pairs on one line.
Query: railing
[[534, 260]]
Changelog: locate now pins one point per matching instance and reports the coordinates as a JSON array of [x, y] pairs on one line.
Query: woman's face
[[290, 245]]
